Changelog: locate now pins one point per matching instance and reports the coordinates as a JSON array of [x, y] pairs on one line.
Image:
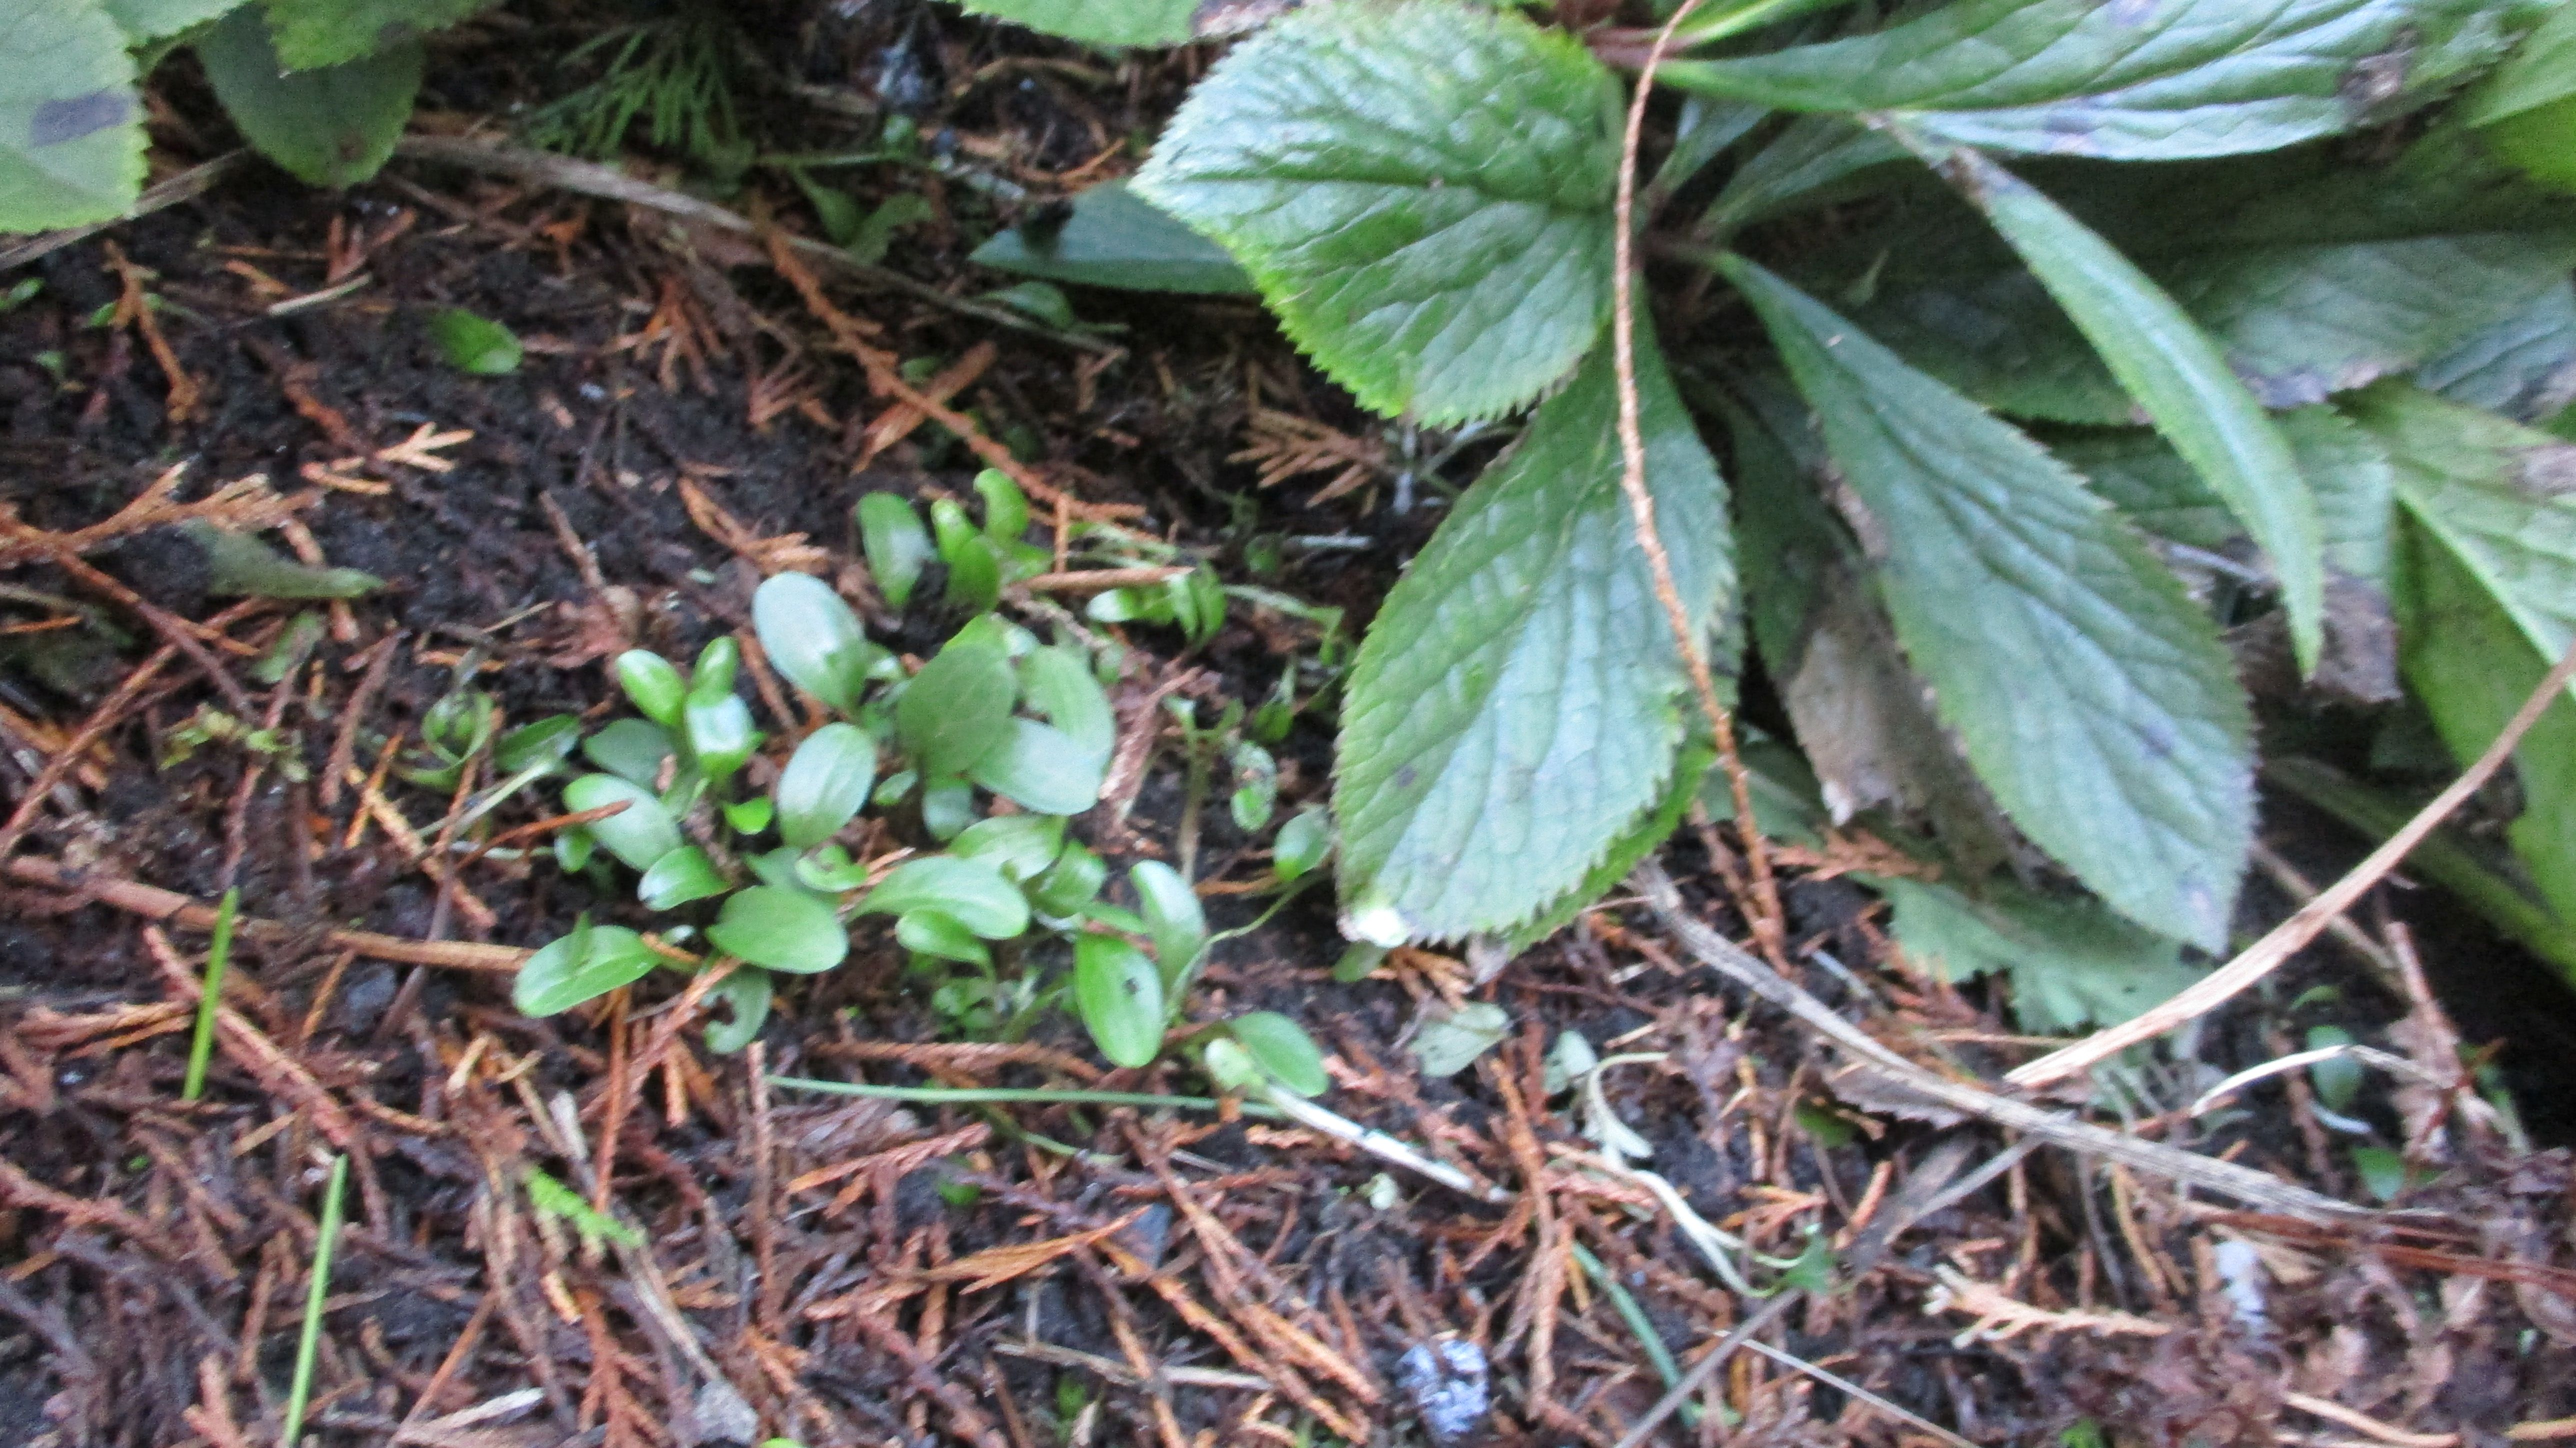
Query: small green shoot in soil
[[210, 994], [308, 1340]]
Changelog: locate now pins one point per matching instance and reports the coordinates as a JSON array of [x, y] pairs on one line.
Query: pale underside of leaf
[[1518, 702], [71, 126], [2130, 80], [2091, 695], [1421, 190]]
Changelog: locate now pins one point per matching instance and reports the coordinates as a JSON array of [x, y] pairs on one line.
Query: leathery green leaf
[[813, 638], [974, 892], [1042, 768], [1120, 996], [683, 875], [1421, 189], [1116, 238], [958, 708], [1174, 918], [2091, 695], [825, 784], [785, 930], [582, 966], [897, 546], [2071, 962], [747, 993], [1519, 700], [328, 32], [2160, 80], [935, 932], [2176, 373], [640, 834], [1283, 1050]]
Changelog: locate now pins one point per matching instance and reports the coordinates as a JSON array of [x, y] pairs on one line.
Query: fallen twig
[[2292, 935], [188, 185], [172, 908], [610, 184], [1887, 1076]]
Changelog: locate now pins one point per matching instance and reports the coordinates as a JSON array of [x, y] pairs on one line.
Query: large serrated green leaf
[[2523, 367], [1519, 700], [2490, 598], [2298, 322], [2132, 80], [2175, 372], [143, 20], [2346, 469], [2092, 697], [314, 33], [1098, 22], [333, 125], [1422, 191], [2071, 963], [71, 126]]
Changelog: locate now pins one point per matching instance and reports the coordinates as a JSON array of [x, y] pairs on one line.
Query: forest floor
[[846, 1272]]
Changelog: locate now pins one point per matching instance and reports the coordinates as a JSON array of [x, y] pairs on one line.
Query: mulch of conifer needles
[[590, 1230]]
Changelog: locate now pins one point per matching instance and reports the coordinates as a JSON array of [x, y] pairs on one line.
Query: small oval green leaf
[[1173, 917], [1006, 508], [813, 638], [747, 991], [1042, 768], [1021, 846], [898, 547], [972, 891], [1069, 884], [631, 749], [683, 875], [1302, 844], [474, 344], [640, 834], [582, 966], [1120, 994], [721, 737], [825, 784], [957, 709], [781, 929], [1285, 1052], [936, 932], [654, 684]]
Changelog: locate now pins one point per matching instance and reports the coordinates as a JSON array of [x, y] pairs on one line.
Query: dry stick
[[1768, 920], [1906, 1086], [170, 907], [2293, 934], [610, 184], [186, 186]]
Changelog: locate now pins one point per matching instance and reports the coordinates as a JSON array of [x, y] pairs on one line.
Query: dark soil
[[154, 1253]]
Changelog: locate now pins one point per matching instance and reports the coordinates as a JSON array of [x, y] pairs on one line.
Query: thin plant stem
[[210, 995], [1660, 1356], [308, 1342], [1768, 919]]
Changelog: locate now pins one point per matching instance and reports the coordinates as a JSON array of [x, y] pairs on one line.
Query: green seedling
[[308, 1339], [210, 994]]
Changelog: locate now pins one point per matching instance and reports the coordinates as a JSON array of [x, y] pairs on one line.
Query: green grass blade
[[201, 1046], [299, 1392]]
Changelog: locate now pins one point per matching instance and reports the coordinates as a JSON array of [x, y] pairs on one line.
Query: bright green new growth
[[984, 924]]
